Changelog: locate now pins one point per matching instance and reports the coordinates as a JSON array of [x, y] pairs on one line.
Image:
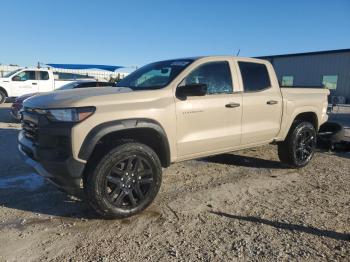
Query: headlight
[[69, 114]]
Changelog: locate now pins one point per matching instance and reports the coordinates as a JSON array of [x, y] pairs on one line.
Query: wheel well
[[308, 117], [147, 136], [3, 90]]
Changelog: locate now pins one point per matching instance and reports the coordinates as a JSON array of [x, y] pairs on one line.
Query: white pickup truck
[[28, 80]]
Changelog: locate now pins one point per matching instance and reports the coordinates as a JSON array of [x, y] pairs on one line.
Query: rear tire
[[298, 148], [2, 97], [125, 181]]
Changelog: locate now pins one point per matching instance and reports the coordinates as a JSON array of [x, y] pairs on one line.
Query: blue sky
[[136, 32]]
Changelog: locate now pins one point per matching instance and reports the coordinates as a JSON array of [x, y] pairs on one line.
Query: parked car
[[28, 80], [18, 102], [115, 141]]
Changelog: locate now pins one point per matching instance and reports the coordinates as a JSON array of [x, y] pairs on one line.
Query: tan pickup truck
[[112, 142]]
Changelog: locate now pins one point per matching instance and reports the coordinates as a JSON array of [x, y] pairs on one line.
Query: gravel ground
[[241, 206]]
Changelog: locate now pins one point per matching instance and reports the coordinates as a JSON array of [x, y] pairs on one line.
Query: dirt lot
[[242, 206]]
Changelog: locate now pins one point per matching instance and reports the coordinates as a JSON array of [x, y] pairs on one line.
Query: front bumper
[[65, 183], [52, 159]]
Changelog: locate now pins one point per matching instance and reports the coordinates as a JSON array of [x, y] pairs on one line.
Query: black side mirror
[[191, 90], [16, 78]]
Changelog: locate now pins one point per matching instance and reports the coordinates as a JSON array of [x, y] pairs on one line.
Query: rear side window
[[43, 75], [216, 75], [255, 76]]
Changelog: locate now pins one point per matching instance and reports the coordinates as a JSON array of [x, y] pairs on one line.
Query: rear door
[[45, 84], [24, 83], [262, 103], [210, 123]]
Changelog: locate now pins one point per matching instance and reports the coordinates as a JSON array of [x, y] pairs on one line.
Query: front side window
[[287, 81], [330, 81], [26, 75], [43, 75], [255, 76], [216, 75], [155, 76]]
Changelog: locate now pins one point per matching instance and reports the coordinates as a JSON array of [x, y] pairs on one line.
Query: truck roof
[[194, 58], [36, 68]]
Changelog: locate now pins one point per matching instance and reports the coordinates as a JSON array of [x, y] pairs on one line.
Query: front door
[[24, 83], [210, 123]]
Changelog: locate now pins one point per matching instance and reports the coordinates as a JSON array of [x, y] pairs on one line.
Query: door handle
[[272, 102], [34, 84], [232, 105]]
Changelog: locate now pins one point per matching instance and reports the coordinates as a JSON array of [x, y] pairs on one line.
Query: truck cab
[[26, 81]]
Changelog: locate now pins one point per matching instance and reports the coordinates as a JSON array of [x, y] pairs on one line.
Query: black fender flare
[[101, 130]]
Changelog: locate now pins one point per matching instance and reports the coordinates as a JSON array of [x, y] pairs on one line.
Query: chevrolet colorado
[[112, 142]]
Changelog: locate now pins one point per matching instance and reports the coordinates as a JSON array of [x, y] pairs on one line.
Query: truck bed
[[298, 99]]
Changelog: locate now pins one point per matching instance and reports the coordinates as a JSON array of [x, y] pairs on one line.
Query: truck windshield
[[155, 75], [12, 73]]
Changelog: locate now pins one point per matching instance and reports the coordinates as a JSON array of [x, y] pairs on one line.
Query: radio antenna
[[239, 50]]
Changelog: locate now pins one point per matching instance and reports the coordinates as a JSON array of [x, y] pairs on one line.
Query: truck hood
[[3, 79], [73, 97]]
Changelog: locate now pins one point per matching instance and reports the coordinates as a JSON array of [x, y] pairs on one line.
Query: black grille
[[30, 130], [30, 124]]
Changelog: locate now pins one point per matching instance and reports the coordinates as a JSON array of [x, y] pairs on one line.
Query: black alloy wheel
[[305, 145], [299, 146], [129, 182], [124, 181]]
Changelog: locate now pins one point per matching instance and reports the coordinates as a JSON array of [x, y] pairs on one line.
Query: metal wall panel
[[309, 69]]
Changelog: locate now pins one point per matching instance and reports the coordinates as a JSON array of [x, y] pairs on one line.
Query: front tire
[[125, 181], [2, 97], [299, 146]]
